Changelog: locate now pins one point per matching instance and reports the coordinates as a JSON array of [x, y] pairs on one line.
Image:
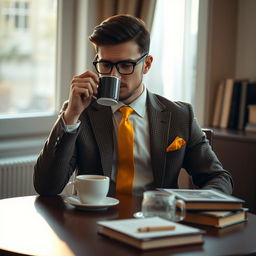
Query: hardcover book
[[250, 127], [235, 105], [218, 105], [155, 235], [251, 98], [204, 199], [229, 84], [248, 97], [242, 107], [218, 219], [252, 113]]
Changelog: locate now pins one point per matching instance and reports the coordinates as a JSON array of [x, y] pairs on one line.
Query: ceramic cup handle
[[70, 189]]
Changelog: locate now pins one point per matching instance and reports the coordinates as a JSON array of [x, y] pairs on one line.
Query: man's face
[[131, 85]]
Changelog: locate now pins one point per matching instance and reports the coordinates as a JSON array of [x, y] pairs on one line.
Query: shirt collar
[[139, 105]]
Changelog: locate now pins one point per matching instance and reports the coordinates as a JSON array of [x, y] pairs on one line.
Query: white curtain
[[174, 48]]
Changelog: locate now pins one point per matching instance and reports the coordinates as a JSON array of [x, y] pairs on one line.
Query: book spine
[[234, 107], [226, 103], [218, 105], [241, 117], [250, 99]]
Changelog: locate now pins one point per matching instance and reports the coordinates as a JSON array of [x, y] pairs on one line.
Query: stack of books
[[232, 100], [211, 207]]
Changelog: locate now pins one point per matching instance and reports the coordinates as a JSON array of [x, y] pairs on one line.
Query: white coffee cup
[[91, 189]]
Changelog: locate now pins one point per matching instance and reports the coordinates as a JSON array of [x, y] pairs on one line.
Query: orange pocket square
[[176, 144]]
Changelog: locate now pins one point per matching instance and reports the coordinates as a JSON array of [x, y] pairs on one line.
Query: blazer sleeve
[[202, 163], [56, 161]]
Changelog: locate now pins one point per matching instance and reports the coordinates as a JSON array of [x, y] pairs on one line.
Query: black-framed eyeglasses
[[124, 67]]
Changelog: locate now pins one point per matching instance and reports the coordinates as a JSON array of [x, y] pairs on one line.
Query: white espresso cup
[[91, 189]]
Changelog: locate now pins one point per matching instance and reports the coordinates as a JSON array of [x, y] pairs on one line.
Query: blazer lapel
[[102, 124], [159, 123]]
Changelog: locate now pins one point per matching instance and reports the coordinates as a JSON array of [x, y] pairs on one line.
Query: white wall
[[246, 40]]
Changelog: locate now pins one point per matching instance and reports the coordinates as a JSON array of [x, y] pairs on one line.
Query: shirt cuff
[[72, 127]]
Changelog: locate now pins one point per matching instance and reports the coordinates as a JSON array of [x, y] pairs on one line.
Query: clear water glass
[[162, 204]]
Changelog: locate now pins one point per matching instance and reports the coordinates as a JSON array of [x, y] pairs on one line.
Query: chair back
[[209, 135]]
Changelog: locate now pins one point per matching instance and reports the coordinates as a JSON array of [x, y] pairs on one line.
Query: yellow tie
[[125, 163]]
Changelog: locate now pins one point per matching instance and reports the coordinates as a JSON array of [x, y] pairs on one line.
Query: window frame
[[201, 107], [16, 129]]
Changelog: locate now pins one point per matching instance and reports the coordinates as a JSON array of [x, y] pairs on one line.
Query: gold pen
[[157, 228]]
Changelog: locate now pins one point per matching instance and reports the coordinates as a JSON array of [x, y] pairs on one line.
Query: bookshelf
[[231, 54], [231, 46], [235, 106]]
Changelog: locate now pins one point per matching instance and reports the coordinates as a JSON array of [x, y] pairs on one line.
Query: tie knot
[[126, 111]]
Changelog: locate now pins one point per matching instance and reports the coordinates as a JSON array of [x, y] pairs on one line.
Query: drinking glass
[[162, 204]]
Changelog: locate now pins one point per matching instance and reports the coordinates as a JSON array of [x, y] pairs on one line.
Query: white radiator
[[16, 176]]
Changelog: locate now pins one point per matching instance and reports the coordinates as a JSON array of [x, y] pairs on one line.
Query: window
[[173, 72], [15, 14], [27, 57], [36, 66]]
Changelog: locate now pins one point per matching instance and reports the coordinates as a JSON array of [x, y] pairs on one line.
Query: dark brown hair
[[120, 29]]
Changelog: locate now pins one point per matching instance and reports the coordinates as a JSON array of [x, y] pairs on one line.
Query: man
[[166, 135]]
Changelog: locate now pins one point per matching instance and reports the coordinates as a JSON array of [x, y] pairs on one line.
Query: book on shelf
[[206, 199], [252, 113], [242, 107], [218, 104], [235, 105], [251, 98], [127, 231], [227, 98], [217, 219], [248, 97], [249, 127]]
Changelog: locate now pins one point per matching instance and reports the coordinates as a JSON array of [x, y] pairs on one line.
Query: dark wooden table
[[37, 225]]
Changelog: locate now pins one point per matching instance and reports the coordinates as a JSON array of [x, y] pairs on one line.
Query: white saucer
[[106, 203], [138, 215]]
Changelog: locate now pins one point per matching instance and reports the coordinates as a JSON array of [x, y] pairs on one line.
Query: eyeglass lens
[[123, 67], [106, 67]]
